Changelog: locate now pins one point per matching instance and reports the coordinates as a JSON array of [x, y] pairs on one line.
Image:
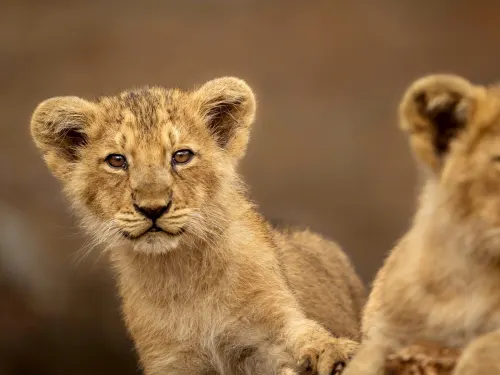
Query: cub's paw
[[287, 371], [326, 358]]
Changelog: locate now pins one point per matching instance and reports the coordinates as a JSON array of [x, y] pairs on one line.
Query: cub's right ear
[[58, 127], [435, 110]]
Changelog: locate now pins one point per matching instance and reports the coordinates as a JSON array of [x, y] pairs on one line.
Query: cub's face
[[454, 130], [150, 167]]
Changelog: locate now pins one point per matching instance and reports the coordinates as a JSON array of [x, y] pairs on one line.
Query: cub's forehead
[[146, 110], [147, 117]]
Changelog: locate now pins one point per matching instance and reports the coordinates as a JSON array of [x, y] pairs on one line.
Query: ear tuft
[[227, 106], [434, 111]]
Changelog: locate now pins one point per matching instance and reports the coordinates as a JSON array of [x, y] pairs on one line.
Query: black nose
[[153, 213]]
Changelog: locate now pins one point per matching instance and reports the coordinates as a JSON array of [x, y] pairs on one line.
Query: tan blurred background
[[326, 152]]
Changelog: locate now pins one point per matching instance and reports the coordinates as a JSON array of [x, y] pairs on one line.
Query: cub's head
[[150, 167], [454, 131]]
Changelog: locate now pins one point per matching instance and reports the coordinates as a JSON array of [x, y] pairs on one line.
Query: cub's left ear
[[228, 108]]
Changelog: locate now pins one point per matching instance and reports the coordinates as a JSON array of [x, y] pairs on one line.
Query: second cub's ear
[[228, 108], [434, 111]]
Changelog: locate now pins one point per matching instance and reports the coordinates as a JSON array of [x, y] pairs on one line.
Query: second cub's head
[[454, 131], [151, 167]]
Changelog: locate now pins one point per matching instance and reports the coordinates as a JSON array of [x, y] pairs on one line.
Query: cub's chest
[[183, 319], [467, 311]]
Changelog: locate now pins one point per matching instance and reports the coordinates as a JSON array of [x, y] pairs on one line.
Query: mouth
[[153, 230]]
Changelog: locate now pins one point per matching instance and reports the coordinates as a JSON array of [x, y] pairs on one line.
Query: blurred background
[[326, 152]]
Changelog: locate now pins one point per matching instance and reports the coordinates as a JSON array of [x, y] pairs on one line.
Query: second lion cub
[[442, 281]]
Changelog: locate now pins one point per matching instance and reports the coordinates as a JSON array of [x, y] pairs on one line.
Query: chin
[[156, 243]]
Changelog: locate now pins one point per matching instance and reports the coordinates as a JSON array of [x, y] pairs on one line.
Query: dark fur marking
[[123, 141], [70, 142], [143, 103], [222, 122], [445, 121]]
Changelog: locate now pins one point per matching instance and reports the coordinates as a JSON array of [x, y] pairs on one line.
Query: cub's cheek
[[103, 204]]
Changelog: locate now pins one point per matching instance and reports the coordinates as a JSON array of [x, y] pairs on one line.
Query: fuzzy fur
[[441, 281], [219, 291]]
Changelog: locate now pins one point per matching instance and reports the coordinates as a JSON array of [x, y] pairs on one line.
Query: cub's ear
[[58, 127], [434, 111], [228, 108]]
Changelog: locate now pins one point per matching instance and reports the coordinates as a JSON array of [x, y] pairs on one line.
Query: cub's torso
[[202, 327], [322, 280], [210, 313], [458, 321], [450, 302]]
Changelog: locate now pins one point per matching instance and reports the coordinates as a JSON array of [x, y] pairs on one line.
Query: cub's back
[[323, 280]]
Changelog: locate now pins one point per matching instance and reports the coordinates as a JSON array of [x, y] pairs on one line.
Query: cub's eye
[[182, 156], [117, 161]]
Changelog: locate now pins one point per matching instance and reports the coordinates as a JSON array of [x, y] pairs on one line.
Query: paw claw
[[307, 365], [327, 358], [338, 368]]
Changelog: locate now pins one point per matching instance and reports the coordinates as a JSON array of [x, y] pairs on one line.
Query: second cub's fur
[[207, 286], [441, 282]]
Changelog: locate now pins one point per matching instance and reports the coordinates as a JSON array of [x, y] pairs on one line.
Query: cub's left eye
[[117, 161], [182, 156]]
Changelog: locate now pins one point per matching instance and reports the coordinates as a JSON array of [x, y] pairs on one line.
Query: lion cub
[[442, 281], [207, 286]]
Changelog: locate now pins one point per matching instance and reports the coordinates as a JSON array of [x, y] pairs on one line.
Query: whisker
[[101, 233]]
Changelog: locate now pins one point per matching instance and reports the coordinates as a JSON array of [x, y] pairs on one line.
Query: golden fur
[[441, 282], [217, 290]]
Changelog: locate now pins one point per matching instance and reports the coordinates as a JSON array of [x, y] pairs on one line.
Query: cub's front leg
[[480, 356], [370, 359], [316, 351], [172, 361]]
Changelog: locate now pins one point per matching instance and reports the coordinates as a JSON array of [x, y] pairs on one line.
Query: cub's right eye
[[117, 161]]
